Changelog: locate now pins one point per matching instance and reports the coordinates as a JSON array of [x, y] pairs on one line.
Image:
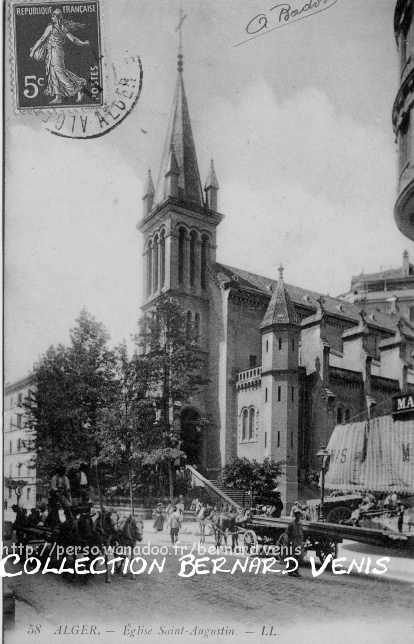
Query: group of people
[[370, 504], [59, 506], [172, 513]]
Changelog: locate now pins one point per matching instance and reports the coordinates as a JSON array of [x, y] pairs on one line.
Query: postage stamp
[[58, 57]]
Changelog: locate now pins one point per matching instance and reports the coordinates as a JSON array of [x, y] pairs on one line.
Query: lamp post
[[324, 455]]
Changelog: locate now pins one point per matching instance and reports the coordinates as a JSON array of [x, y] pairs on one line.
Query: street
[[164, 606]]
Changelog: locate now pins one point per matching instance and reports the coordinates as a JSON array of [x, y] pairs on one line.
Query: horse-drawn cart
[[262, 533], [76, 531], [268, 535]]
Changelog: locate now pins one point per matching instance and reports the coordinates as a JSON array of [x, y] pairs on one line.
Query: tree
[[70, 385], [251, 476], [126, 425], [174, 367]]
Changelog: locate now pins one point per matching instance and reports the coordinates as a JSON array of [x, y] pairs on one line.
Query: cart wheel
[[250, 540], [339, 514], [325, 548]]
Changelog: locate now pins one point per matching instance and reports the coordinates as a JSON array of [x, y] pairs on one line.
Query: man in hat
[[295, 538]]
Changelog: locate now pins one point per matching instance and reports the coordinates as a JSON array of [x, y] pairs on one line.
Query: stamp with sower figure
[[58, 56]]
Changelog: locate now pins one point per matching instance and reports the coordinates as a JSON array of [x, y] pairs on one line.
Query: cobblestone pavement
[[344, 608]]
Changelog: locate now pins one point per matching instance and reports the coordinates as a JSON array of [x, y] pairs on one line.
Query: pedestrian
[[159, 517], [175, 524], [180, 506], [295, 538], [400, 523], [202, 515], [295, 508]]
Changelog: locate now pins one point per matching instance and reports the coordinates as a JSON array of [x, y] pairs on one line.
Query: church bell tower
[[179, 220]]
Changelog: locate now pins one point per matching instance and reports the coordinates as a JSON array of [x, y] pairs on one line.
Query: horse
[[20, 522], [224, 523], [130, 531]]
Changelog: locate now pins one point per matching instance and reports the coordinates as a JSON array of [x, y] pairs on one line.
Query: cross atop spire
[[179, 28]]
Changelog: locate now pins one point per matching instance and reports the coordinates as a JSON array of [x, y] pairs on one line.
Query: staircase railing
[[213, 488]]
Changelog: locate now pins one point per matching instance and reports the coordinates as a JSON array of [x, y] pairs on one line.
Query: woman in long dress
[[50, 48], [159, 517]]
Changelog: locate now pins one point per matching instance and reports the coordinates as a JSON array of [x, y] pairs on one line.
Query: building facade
[[19, 473], [402, 117], [284, 364], [390, 291]]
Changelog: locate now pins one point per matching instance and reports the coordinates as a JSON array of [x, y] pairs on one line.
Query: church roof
[[304, 298], [281, 310], [180, 139]]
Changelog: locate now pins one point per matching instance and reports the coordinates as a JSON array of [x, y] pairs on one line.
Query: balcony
[[249, 378]]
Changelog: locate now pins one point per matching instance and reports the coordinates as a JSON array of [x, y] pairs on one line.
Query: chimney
[[406, 264], [325, 364], [368, 368]]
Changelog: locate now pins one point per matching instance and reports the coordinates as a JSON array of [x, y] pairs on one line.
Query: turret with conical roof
[[211, 187], [148, 196], [280, 331], [281, 309]]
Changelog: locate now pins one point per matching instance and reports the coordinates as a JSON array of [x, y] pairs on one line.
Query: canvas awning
[[375, 455]]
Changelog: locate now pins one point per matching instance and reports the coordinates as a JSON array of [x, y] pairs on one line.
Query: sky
[[298, 122]]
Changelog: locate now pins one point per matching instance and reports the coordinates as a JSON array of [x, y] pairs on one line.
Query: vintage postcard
[[208, 429]]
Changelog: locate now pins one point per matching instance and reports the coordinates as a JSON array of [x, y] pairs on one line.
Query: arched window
[[251, 423], [204, 260], [162, 259], [339, 415], [197, 328], [149, 269], [245, 421], [181, 255], [193, 246], [156, 254], [188, 326]]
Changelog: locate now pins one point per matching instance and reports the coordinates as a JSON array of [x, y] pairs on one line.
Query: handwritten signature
[[281, 15]]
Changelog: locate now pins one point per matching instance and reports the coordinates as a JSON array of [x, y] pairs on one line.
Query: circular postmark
[[89, 123]]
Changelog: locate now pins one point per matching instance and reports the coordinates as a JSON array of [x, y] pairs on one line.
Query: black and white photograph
[[208, 328]]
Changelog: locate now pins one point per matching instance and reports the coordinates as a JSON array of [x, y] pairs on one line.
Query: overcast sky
[[298, 122]]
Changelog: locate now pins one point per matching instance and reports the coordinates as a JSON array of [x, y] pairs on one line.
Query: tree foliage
[[93, 402], [70, 385], [250, 475], [174, 367]]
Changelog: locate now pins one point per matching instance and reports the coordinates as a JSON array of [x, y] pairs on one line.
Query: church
[[285, 364]]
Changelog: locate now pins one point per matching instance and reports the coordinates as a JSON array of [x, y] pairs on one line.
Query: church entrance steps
[[214, 489]]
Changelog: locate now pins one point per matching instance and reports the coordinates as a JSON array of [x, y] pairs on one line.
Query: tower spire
[[180, 137]]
